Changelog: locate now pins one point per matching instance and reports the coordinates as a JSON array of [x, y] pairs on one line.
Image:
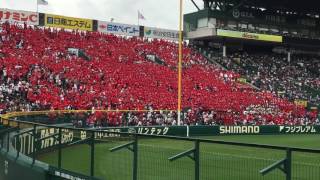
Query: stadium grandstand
[[38, 73], [226, 80]]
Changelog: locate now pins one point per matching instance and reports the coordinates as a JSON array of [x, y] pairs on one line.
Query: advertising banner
[[299, 129], [150, 32], [242, 80], [119, 29], [239, 130], [302, 103], [210, 130], [68, 22], [252, 36], [20, 17]]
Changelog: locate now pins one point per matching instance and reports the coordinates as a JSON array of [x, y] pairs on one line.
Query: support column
[[224, 50], [289, 56]]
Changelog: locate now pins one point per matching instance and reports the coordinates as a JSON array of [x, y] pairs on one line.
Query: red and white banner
[[20, 17], [119, 29]]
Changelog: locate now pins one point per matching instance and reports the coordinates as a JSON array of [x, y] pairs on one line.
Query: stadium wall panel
[[214, 130], [14, 169]]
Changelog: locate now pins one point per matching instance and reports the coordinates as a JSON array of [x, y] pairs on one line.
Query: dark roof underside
[[303, 6]]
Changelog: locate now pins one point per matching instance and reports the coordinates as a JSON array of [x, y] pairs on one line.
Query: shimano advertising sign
[[118, 29], [239, 129]]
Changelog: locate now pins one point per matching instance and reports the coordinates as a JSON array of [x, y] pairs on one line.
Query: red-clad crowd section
[[37, 73]]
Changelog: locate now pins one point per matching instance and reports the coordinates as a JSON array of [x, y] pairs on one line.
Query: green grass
[[301, 141], [217, 162]]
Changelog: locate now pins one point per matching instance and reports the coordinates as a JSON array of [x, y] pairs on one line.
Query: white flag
[[42, 2], [140, 16]]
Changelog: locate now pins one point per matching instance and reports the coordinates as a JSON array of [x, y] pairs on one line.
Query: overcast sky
[[158, 13]]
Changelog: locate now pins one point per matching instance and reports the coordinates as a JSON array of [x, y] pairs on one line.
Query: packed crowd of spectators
[[297, 79], [38, 73]]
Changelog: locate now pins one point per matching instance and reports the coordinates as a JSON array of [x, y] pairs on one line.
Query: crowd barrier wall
[[217, 130]]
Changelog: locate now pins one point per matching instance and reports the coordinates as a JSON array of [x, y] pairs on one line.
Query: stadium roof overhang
[[305, 6], [307, 44]]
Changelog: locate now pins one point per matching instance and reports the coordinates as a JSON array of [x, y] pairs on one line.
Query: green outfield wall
[[15, 166], [214, 130]]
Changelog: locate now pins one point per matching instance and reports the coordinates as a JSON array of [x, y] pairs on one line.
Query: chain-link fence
[[124, 156]]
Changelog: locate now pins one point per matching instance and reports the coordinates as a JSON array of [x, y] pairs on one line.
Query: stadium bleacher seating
[[297, 79], [38, 73]]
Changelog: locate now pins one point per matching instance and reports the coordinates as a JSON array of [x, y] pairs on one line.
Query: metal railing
[[159, 157]]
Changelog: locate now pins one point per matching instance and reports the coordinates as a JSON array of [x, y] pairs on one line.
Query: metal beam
[[80, 141], [181, 155], [25, 132], [285, 165], [273, 166], [240, 4], [60, 149], [195, 5], [133, 147], [193, 154], [8, 130], [206, 4], [122, 146], [92, 155], [213, 7]]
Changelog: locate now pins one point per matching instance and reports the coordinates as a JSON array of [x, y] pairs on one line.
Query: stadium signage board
[[153, 130], [251, 36], [239, 129], [106, 133], [99, 134], [243, 14], [26, 139], [112, 132], [19, 17], [68, 22], [118, 29], [150, 32], [297, 129], [65, 175], [59, 173], [67, 137], [302, 103]]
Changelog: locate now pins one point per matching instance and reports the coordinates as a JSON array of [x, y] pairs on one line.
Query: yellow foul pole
[[180, 63]]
